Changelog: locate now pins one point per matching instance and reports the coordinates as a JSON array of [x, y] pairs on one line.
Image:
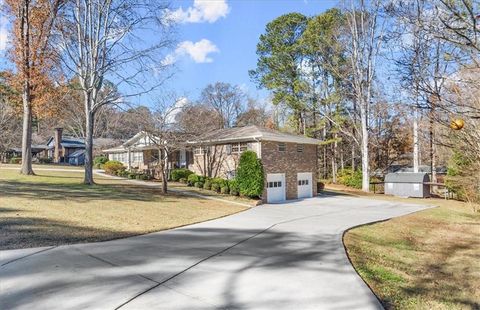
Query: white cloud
[[202, 11], [177, 108], [198, 51], [3, 33]]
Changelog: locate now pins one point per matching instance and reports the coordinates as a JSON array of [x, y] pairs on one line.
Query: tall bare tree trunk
[[353, 157], [415, 141], [27, 132], [89, 148], [26, 98], [365, 158], [334, 161]]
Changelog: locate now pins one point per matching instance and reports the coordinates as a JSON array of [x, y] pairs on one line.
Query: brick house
[[289, 161], [141, 153]]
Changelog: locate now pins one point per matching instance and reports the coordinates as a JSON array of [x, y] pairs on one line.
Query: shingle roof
[[249, 133]]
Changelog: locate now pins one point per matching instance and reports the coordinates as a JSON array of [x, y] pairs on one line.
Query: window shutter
[[229, 149]]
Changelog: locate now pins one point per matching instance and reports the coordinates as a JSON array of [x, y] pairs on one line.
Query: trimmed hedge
[[180, 173], [224, 190], [250, 176], [216, 187], [112, 166], [193, 178], [233, 186], [207, 184]]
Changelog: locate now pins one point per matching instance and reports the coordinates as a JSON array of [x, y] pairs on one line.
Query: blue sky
[[216, 42], [232, 36]]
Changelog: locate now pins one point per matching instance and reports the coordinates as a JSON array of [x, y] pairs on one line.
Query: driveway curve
[[283, 256]]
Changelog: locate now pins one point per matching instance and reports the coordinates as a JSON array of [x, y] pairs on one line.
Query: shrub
[[192, 179], [207, 184], [99, 161], [250, 176], [15, 160], [233, 186], [183, 180], [216, 187], [350, 178], [122, 173], [221, 182], [132, 175], [112, 166], [199, 184], [45, 160], [180, 173], [224, 190]]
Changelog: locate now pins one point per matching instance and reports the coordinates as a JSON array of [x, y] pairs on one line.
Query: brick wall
[[289, 162], [223, 162]]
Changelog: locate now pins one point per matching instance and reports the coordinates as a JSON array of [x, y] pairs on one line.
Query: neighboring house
[[66, 149], [38, 151], [141, 152], [289, 161]]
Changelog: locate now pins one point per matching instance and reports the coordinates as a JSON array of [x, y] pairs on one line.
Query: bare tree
[[196, 118], [366, 35], [226, 99], [166, 136], [255, 114], [101, 40]]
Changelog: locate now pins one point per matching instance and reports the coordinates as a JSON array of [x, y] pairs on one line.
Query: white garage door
[[304, 185], [275, 187]]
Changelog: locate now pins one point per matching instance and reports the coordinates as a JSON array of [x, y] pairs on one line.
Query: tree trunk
[[415, 141], [334, 161], [26, 98], [365, 166], [27, 132], [89, 148], [165, 174], [353, 157]]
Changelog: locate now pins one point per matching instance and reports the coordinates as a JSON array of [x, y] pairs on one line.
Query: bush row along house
[[289, 161]]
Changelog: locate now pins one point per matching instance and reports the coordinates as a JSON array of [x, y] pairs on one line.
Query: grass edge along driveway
[[55, 208], [426, 260]]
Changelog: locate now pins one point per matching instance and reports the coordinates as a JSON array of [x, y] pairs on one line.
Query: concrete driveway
[[285, 256]]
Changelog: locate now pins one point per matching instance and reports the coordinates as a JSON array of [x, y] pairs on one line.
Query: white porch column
[[129, 159]]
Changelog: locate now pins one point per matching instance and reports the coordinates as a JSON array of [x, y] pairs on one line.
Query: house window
[[300, 148], [282, 147], [239, 147], [303, 182], [198, 151], [137, 157]]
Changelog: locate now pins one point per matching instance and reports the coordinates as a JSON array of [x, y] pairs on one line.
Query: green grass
[[426, 260], [54, 207]]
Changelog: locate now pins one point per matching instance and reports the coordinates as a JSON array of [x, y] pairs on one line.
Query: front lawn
[[426, 260], [54, 208]]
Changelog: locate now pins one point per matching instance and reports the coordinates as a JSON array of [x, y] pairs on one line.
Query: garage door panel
[[275, 187], [304, 185]]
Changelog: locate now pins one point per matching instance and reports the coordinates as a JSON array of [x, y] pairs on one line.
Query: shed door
[[304, 185], [275, 187]]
